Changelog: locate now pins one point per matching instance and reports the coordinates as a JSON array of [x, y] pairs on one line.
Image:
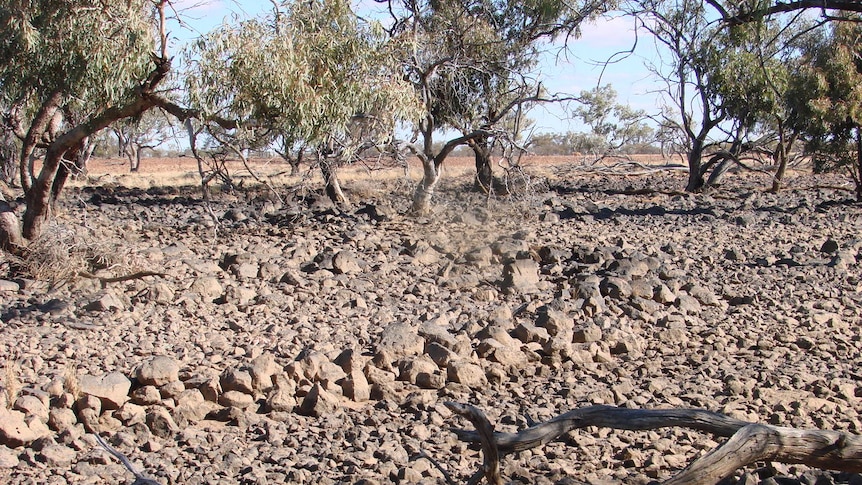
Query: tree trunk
[[858, 174], [484, 176], [333, 186], [425, 191], [695, 171], [133, 153]]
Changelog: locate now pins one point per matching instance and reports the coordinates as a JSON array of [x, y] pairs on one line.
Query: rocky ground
[[296, 342]]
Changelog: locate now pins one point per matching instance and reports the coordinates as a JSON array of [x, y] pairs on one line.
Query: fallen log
[[748, 442]]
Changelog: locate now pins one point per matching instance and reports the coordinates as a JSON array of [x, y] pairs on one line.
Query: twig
[[140, 479]]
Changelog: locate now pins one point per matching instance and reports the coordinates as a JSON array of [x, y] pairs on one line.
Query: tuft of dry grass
[[11, 384], [70, 381], [62, 252]]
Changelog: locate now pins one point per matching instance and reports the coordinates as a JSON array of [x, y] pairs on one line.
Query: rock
[[468, 374], [17, 431], [556, 322], [527, 333], [8, 458], [355, 386], [410, 368], [262, 368], [586, 334], [161, 423], [10, 286], [105, 302], [112, 389], [57, 456], [207, 287], [401, 339], [236, 380], [61, 419], [236, 399], [158, 371], [31, 406], [319, 403], [146, 395], [521, 276], [131, 414], [829, 246], [345, 262], [616, 288]]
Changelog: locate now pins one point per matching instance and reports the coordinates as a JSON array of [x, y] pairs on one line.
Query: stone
[[521, 276], [355, 386], [61, 419], [171, 389], [556, 322], [8, 458], [236, 399], [112, 388], [10, 286], [106, 301], [31, 406], [236, 380], [17, 431], [146, 395], [829, 246], [401, 339], [131, 414], [410, 368], [161, 423], [57, 456], [262, 368], [207, 287], [345, 262], [587, 334], [318, 402], [467, 373], [616, 288], [158, 371], [527, 333]]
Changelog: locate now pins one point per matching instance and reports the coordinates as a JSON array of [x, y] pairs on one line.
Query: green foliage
[[829, 100], [305, 73], [93, 52], [613, 125]]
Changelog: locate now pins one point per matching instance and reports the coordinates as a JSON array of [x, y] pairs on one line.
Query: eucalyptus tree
[[472, 65], [613, 126], [73, 67], [695, 109], [828, 99], [146, 132], [307, 72]]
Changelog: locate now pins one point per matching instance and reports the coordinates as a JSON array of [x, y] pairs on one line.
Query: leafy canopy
[[305, 71]]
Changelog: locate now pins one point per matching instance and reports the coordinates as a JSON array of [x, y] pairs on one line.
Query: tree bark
[[333, 185], [748, 443], [695, 171], [484, 176], [425, 190]]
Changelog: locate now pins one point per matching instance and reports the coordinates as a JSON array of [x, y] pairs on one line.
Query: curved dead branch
[[747, 443]]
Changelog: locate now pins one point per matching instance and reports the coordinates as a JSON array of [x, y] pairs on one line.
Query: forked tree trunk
[[333, 185], [425, 190]]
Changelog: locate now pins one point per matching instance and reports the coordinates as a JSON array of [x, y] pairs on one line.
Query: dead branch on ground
[[748, 442]]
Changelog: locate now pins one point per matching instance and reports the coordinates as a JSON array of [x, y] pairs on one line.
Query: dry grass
[[62, 252], [11, 384]]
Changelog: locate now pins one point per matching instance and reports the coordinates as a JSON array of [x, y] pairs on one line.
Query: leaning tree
[[307, 72], [71, 68]]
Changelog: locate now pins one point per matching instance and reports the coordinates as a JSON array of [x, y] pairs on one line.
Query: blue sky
[[578, 68]]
